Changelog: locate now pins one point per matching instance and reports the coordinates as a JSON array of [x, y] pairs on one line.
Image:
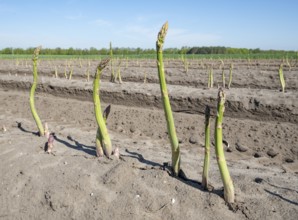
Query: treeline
[[226, 50], [140, 51], [230, 50], [79, 52]]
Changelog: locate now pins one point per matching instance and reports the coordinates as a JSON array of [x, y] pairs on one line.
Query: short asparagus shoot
[[32, 92], [50, 143], [229, 194], [46, 130], [166, 101]]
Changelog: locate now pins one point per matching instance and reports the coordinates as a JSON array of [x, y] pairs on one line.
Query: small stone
[[193, 139], [132, 129], [138, 196], [258, 180], [240, 148], [119, 128], [272, 153], [65, 163], [289, 160], [91, 194], [116, 152], [257, 155], [173, 200], [229, 150]]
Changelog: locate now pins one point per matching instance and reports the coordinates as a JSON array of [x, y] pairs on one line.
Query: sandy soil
[[260, 124]]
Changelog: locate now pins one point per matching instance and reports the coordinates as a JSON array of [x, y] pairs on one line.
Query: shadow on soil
[[19, 125], [281, 197], [181, 177], [77, 145]]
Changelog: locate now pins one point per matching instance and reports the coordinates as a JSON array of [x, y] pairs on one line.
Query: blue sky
[[265, 24]]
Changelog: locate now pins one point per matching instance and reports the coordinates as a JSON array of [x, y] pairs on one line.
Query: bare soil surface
[[260, 125]]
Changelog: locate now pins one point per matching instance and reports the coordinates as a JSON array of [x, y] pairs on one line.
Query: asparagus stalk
[[32, 92], [88, 74], [65, 74], [103, 143], [119, 72], [223, 76], [210, 78], [70, 73], [99, 150], [209, 81], [166, 101], [229, 194], [112, 68], [230, 76], [184, 61], [56, 72], [288, 63], [281, 78], [207, 148], [98, 146]]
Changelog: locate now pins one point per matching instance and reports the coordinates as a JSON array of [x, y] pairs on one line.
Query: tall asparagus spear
[[32, 92], [103, 141], [229, 194], [166, 101], [207, 148]]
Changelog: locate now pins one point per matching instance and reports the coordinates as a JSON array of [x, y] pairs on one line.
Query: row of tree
[[224, 50], [137, 51]]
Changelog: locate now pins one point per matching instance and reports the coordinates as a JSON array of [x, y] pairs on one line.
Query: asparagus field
[[259, 132]]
